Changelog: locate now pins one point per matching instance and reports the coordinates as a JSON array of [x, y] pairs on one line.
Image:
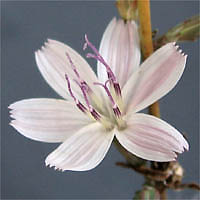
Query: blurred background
[[25, 27]]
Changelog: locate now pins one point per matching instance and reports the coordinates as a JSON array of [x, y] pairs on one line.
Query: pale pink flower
[[102, 107]]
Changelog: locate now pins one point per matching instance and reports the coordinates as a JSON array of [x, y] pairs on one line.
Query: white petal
[[54, 64], [151, 138], [155, 78], [83, 150], [120, 49], [47, 120]]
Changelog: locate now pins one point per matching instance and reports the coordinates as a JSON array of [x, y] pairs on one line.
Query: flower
[[99, 109]]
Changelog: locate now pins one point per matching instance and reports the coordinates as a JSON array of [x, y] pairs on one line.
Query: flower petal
[[155, 78], [54, 64], [120, 49], [47, 120], [151, 138], [83, 150]]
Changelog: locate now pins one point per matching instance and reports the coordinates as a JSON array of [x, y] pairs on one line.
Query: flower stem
[[146, 41]]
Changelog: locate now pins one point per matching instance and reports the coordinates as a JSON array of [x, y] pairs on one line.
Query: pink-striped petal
[[151, 138], [47, 120], [83, 150], [155, 78], [54, 64], [120, 49]]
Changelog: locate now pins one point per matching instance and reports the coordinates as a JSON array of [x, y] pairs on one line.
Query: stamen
[[69, 87], [116, 110], [78, 103], [80, 82], [114, 105], [84, 85], [99, 58], [73, 66], [84, 88], [107, 91], [117, 89], [95, 114]]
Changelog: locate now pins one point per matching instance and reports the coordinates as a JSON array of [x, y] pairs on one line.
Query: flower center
[[113, 115]]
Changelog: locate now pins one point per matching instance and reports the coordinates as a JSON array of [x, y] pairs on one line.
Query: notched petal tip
[[183, 143], [47, 164], [43, 48], [13, 123], [56, 168], [178, 49], [13, 106], [10, 106], [46, 44], [186, 146], [12, 116], [175, 155], [49, 40]]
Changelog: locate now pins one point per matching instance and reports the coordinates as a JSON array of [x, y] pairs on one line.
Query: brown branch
[[146, 171], [183, 186]]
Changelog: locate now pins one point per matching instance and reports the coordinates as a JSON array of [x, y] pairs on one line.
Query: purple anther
[[78, 103], [117, 89], [79, 81], [107, 91], [73, 66], [116, 111], [114, 105], [86, 87], [86, 90], [95, 114], [69, 88], [85, 96], [99, 58], [81, 106]]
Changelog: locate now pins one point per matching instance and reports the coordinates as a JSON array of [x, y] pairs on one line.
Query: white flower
[[99, 109]]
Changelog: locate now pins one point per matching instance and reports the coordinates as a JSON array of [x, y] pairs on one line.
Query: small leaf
[[127, 9], [189, 30], [147, 193]]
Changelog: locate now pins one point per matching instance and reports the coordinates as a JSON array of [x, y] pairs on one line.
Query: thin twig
[[183, 186], [146, 171]]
